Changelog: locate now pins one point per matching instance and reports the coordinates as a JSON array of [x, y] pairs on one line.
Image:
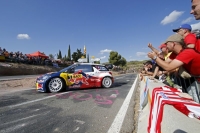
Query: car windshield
[[67, 68]]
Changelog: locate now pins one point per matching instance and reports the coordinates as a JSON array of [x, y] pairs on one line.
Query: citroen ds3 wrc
[[78, 75]]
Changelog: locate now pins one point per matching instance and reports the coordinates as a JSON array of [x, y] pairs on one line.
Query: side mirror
[[80, 71]]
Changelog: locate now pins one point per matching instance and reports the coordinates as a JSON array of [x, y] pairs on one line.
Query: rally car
[[79, 75]]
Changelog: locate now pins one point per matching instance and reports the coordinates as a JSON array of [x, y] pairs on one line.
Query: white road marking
[[25, 118], [13, 128], [117, 123], [79, 121], [33, 101], [76, 129], [120, 77], [19, 120]]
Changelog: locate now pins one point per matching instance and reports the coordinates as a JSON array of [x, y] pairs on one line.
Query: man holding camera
[[195, 9], [190, 39]]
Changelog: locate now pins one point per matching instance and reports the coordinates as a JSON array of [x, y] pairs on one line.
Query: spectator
[[158, 71], [4, 50], [163, 48], [6, 54], [1, 51], [195, 9], [11, 55], [187, 58], [21, 57], [148, 69], [166, 54], [189, 38], [165, 51], [25, 58]]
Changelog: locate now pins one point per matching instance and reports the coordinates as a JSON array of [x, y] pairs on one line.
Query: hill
[[11, 69]]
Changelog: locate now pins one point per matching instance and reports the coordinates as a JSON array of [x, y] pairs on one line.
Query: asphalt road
[[97, 110]]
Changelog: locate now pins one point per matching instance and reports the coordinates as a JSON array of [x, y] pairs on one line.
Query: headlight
[[45, 77]]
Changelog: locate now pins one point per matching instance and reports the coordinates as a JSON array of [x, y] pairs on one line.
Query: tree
[[69, 54], [51, 56], [114, 58], [59, 55], [77, 55], [88, 59], [97, 62], [65, 58], [123, 62]]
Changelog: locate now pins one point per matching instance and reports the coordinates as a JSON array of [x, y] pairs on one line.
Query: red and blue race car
[[78, 75]]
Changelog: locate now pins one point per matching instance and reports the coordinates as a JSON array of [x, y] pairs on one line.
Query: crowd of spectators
[[177, 63], [180, 66], [19, 57]]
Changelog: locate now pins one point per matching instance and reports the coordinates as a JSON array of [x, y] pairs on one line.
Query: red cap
[[162, 46]]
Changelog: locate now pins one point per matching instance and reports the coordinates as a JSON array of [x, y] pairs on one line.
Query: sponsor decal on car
[[75, 86], [74, 76], [39, 86], [79, 79]]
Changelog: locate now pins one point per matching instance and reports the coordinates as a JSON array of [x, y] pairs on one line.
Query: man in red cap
[[163, 48], [165, 51], [166, 54]]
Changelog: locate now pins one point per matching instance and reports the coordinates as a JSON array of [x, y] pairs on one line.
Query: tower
[[84, 51]]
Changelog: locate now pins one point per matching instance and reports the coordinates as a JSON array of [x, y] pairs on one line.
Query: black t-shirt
[[152, 69], [160, 68]]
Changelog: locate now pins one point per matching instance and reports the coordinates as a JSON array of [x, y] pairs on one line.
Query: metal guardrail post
[[193, 90], [185, 87], [197, 90]]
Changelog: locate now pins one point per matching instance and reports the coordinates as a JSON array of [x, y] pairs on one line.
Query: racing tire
[[106, 82], [56, 85]]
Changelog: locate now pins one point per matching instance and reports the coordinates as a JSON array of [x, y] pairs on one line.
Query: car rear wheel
[[56, 85], [107, 82]]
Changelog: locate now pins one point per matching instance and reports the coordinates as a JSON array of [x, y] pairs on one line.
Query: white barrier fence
[[166, 110]]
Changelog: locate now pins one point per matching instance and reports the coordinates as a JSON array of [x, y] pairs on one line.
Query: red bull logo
[[78, 79], [39, 86]]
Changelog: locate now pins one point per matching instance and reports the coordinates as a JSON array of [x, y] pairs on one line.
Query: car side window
[[71, 70], [84, 68], [101, 68]]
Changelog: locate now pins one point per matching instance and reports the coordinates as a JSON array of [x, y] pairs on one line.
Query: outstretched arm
[[167, 66], [153, 49]]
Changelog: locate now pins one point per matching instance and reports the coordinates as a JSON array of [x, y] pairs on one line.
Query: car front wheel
[[56, 85], [107, 82]]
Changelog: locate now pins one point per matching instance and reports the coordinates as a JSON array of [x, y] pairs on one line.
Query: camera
[[197, 33]]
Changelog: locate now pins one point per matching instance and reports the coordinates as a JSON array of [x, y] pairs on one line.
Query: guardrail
[[190, 86], [171, 119]]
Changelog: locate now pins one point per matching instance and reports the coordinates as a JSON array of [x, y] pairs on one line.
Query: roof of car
[[89, 64]]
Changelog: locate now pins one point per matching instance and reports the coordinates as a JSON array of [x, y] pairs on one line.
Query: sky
[[101, 25]]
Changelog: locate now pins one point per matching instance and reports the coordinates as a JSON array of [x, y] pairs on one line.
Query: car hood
[[50, 74]]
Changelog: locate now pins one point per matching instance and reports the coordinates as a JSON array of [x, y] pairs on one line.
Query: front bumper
[[40, 86]]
